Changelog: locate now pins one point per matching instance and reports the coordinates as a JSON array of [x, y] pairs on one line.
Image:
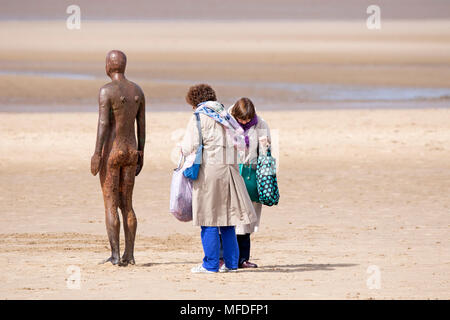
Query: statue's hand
[[95, 163], [140, 162]]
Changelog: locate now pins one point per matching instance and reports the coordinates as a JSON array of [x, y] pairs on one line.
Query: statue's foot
[[113, 260], [128, 260], [123, 263]]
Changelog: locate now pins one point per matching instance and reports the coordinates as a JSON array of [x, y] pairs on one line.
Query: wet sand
[[273, 62], [218, 10]]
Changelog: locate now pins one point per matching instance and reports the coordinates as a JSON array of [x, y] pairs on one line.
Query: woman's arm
[[264, 130], [190, 140], [264, 137]]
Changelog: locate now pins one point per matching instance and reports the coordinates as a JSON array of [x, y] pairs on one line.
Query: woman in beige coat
[[257, 135], [220, 200]]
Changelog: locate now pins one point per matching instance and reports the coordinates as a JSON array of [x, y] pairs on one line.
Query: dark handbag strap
[[257, 146]]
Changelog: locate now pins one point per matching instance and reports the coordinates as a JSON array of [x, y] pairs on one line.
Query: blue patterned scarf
[[217, 111]]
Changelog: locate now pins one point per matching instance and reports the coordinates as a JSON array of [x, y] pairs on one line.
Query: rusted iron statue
[[117, 156]]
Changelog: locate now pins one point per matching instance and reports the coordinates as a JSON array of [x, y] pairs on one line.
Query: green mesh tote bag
[[266, 177]]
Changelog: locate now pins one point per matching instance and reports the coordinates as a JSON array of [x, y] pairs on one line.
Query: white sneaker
[[200, 269], [223, 268]]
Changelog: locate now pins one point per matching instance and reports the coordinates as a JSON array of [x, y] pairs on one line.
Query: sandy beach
[[359, 188], [361, 120]]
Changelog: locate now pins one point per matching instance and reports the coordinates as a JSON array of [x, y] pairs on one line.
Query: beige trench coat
[[219, 195], [250, 156]]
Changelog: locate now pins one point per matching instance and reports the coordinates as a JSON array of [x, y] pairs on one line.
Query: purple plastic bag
[[181, 193]]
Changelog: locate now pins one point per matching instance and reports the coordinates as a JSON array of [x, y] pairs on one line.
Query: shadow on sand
[[154, 264], [300, 267], [287, 268]]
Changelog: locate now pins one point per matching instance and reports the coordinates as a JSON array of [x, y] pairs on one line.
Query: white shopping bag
[[181, 191]]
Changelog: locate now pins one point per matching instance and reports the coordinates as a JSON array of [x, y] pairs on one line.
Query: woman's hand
[[264, 144]]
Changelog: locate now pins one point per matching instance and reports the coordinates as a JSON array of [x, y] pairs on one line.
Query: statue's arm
[[102, 129], [140, 120]]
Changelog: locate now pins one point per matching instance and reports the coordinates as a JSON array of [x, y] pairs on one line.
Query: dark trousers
[[244, 247]]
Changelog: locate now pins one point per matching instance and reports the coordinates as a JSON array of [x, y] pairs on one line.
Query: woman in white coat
[[220, 200], [257, 138]]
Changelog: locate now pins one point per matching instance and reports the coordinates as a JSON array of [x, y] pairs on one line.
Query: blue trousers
[[211, 247]]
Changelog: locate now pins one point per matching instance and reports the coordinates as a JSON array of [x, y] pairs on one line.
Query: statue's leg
[[126, 207], [110, 188]]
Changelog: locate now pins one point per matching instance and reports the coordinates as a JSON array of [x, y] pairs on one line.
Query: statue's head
[[116, 61]]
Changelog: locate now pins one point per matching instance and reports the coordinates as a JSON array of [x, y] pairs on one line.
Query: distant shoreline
[[307, 106]]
